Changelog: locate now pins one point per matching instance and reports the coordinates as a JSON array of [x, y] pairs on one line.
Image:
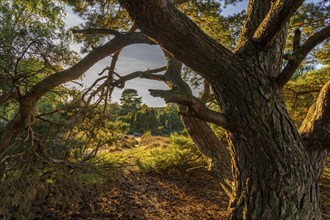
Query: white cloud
[[72, 19]]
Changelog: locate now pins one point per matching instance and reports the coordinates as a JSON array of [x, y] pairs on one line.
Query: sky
[[134, 58]]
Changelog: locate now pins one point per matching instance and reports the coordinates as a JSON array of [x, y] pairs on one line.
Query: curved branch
[[22, 55], [195, 108], [210, 145], [148, 74], [97, 31], [300, 54], [88, 61], [175, 32], [278, 15], [315, 129]]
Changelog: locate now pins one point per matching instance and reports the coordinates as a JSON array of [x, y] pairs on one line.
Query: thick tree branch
[[210, 145], [175, 32], [300, 54], [195, 108], [82, 66], [296, 40], [207, 91], [148, 74], [278, 15], [315, 129], [97, 31], [256, 12]]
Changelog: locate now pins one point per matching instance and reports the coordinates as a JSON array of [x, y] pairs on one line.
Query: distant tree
[[130, 101], [144, 120], [151, 119], [172, 119]]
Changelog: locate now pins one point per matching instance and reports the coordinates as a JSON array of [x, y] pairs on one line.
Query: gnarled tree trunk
[[200, 132], [275, 168], [273, 173]]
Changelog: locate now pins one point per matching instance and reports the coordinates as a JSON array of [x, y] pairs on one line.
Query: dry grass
[[154, 141], [127, 142]]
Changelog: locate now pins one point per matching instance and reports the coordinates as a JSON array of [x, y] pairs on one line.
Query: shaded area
[[135, 195]]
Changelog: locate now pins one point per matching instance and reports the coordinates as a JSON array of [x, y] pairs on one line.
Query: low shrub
[[180, 153], [149, 141], [29, 188]]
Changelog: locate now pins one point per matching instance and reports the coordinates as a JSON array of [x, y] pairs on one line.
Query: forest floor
[[180, 195], [132, 194], [137, 195]]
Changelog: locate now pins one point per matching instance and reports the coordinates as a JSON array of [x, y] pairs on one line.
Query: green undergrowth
[[326, 171], [160, 154]]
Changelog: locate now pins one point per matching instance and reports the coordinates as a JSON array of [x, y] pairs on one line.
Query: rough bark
[[278, 15], [271, 176], [274, 176]]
